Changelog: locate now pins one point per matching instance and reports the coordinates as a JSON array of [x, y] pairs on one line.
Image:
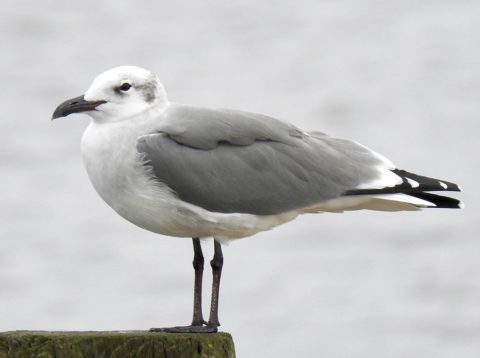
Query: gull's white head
[[117, 94]]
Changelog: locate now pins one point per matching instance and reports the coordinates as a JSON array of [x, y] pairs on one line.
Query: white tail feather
[[379, 202]]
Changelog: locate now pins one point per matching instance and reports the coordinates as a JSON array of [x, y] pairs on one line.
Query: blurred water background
[[402, 77]]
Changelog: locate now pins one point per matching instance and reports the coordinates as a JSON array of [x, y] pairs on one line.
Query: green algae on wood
[[131, 344]]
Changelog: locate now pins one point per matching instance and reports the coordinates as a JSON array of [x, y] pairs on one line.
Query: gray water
[[402, 77]]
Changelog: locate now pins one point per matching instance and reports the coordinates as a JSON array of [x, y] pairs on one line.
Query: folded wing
[[238, 162]]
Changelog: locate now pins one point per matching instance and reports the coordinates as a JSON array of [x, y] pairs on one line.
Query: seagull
[[195, 172]]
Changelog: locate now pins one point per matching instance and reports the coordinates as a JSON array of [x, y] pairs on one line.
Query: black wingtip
[[419, 187], [425, 183], [439, 201]]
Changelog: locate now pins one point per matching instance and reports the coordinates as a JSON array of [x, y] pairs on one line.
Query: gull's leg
[[197, 325], [217, 264], [198, 262]]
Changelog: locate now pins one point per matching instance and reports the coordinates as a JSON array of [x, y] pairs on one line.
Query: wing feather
[[238, 162]]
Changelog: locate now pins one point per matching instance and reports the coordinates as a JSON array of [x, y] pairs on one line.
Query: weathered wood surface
[[134, 344]]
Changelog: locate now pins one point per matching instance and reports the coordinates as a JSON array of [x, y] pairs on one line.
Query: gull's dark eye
[[125, 87]]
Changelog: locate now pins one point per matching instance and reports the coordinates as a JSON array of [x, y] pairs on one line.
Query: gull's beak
[[75, 105]]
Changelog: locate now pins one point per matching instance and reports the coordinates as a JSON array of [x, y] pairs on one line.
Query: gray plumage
[[238, 162]]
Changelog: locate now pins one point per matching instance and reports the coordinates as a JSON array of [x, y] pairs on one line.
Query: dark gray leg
[[217, 264], [198, 262], [197, 325]]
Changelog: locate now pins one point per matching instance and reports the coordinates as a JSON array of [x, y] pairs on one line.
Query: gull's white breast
[[116, 172]]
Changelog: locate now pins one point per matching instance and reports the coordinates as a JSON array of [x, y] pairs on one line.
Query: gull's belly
[[124, 183]]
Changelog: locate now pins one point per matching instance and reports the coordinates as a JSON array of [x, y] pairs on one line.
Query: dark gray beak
[[75, 105]]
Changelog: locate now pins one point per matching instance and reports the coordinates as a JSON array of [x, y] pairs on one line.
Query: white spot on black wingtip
[[413, 183], [461, 205], [443, 185]]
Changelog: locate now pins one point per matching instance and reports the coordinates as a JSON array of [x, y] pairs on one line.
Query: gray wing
[[236, 162]]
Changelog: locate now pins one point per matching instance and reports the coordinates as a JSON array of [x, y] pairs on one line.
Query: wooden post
[[138, 344]]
